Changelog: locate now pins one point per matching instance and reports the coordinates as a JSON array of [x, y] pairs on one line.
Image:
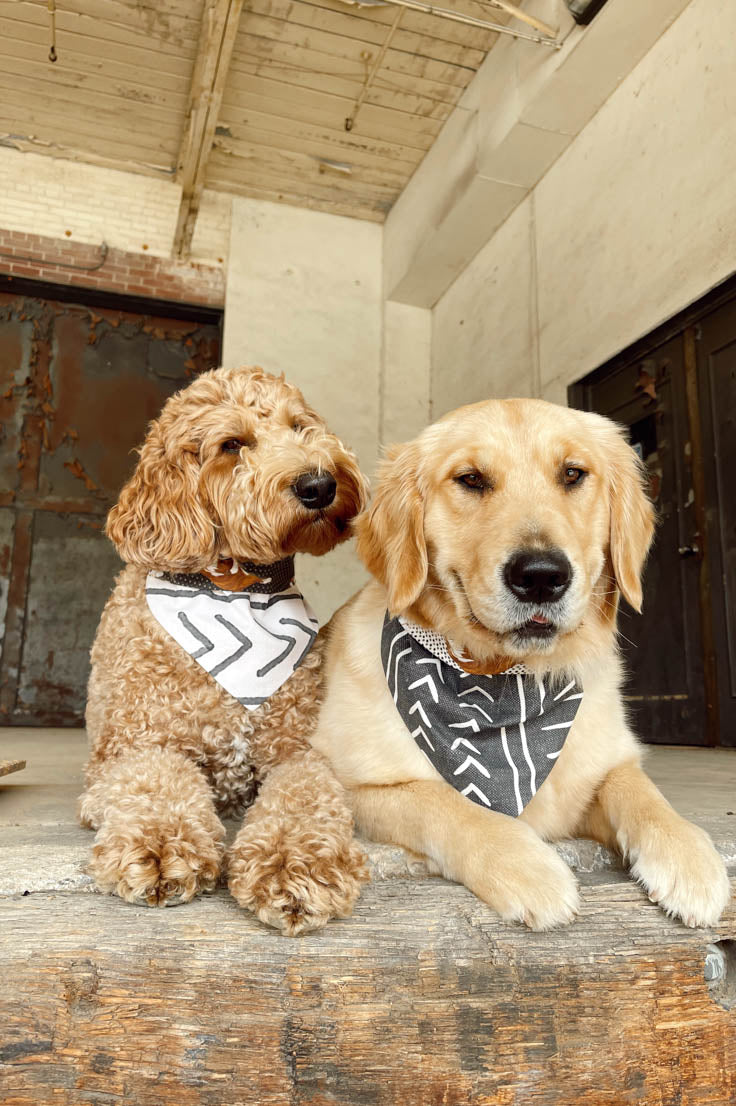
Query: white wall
[[50, 196], [636, 220], [304, 298]]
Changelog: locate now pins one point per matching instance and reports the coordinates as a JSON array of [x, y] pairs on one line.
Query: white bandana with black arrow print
[[250, 641], [494, 738]]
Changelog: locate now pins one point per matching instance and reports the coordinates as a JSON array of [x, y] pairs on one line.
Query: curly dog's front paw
[[680, 869], [294, 878], [157, 863]]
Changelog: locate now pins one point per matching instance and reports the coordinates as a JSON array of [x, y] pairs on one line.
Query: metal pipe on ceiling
[[469, 20]]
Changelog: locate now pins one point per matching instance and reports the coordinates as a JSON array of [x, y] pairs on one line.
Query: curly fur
[[169, 747]]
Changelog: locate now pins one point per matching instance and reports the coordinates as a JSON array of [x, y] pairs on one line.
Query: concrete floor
[[44, 849]]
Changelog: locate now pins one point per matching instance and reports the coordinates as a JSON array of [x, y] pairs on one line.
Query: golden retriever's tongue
[[540, 619]]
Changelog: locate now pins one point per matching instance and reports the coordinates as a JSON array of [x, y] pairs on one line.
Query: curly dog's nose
[[538, 576], [315, 489]]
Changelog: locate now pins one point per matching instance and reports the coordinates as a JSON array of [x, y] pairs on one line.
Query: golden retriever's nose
[[538, 575], [315, 489]]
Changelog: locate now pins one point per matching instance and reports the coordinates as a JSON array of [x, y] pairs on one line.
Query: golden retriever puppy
[[473, 702], [207, 668]]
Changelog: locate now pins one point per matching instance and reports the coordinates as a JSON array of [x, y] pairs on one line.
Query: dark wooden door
[[715, 355], [78, 387], [677, 397]]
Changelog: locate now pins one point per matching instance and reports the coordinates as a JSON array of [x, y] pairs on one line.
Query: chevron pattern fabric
[[250, 641], [494, 738]]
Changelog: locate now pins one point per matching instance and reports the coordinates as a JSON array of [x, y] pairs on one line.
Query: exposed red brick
[[154, 277]]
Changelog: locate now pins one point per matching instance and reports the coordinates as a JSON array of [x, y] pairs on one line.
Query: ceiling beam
[[220, 21]]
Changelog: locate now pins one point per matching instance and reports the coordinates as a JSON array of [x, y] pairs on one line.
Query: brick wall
[[55, 216], [61, 261]]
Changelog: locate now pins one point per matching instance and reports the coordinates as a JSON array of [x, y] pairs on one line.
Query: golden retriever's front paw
[[530, 884], [156, 864], [681, 871], [293, 878]]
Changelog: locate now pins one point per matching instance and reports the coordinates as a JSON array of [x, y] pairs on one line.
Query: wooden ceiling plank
[[406, 103], [262, 52], [290, 194], [350, 25], [259, 174], [107, 35], [51, 92], [247, 156], [273, 129], [278, 102], [104, 87], [79, 147], [166, 22], [337, 45], [392, 170], [55, 122], [418, 22], [220, 21], [30, 42]]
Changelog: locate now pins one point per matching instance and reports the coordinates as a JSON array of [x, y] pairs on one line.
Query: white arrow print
[[476, 764], [474, 706], [425, 680], [420, 732], [467, 744], [476, 791], [481, 690], [433, 660], [464, 725], [418, 707]]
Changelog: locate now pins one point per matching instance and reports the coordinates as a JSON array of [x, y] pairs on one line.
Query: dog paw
[[156, 865], [295, 881], [680, 869], [530, 883]]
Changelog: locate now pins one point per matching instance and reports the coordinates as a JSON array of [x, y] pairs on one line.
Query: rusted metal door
[[678, 400], [77, 389]]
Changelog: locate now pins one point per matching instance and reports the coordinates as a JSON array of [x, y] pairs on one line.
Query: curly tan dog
[[503, 536], [237, 469]]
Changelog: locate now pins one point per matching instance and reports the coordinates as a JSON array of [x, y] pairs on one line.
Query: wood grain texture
[[422, 997], [145, 87], [8, 766]]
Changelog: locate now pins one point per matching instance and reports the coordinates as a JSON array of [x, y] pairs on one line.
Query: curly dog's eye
[[573, 475], [476, 481], [297, 426], [234, 445]]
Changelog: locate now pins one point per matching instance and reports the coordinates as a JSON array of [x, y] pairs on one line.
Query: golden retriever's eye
[[234, 445], [476, 481], [573, 475]]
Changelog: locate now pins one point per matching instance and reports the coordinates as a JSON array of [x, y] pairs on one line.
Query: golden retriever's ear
[[159, 520], [632, 519], [391, 532]]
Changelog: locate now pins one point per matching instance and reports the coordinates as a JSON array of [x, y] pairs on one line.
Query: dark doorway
[[78, 386], [676, 393]]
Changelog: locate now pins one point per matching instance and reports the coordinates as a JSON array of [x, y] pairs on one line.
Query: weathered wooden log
[[8, 766], [422, 998]]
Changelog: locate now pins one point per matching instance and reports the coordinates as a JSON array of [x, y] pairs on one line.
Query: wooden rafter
[[220, 21]]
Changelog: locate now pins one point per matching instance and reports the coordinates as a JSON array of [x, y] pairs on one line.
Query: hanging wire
[[52, 12]]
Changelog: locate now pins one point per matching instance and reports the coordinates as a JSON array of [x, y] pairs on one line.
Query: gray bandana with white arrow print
[[494, 738], [250, 641]]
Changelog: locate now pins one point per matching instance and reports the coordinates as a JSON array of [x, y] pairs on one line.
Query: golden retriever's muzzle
[[538, 579]]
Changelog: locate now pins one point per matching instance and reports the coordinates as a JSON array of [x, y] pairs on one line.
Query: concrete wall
[[304, 297], [636, 220]]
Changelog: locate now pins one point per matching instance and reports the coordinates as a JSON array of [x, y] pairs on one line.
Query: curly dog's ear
[[159, 520], [632, 518], [391, 532]]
